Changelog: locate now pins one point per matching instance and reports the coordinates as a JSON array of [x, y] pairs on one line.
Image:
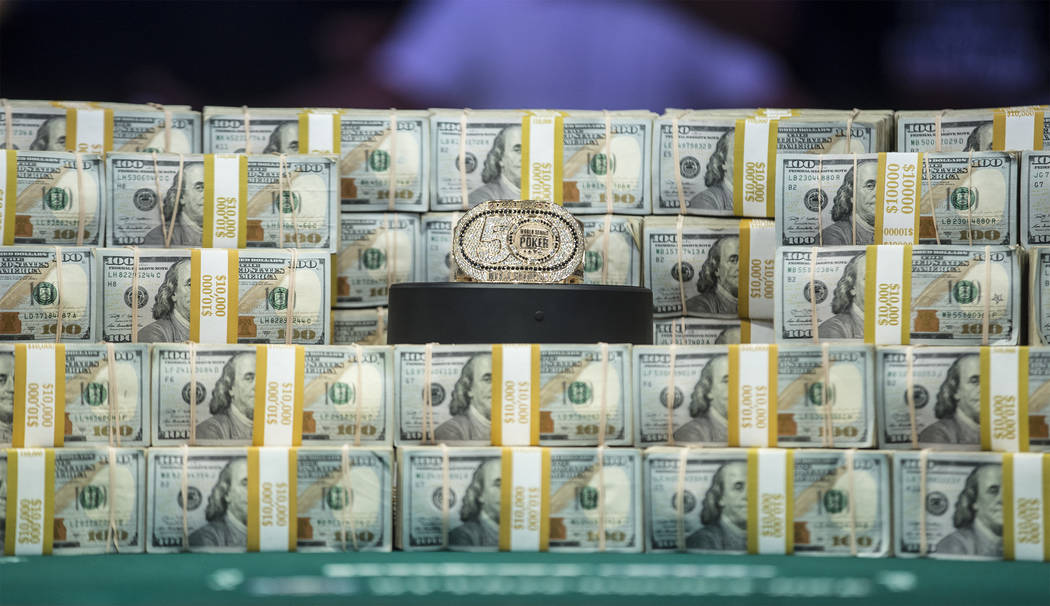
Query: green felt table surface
[[513, 578]]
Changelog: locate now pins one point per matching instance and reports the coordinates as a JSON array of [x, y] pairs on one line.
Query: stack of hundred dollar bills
[[851, 350]]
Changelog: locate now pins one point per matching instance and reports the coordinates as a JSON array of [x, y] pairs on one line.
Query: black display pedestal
[[471, 312]]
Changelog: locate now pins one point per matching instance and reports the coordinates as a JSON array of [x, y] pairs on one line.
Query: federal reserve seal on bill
[[518, 241]]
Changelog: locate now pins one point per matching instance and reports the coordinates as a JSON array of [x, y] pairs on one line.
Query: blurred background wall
[[571, 54]]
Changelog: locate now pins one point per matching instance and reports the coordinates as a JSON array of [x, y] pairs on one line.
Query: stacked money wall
[[849, 340]]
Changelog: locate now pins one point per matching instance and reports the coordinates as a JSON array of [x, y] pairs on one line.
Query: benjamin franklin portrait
[[471, 403], [227, 509], [847, 303], [842, 211], [980, 138], [7, 396], [232, 404], [188, 229], [51, 136], [724, 511], [718, 177], [717, 286], [284, 139], [978, 516], [480, 510], [958, 406], [708, 405], [171, 307], [501, 174]]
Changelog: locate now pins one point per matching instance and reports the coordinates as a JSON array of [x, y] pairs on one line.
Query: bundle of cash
[[950, 407], [824, 396], [91, 399], [72, 500], [342, 394], [974, 506], [1035, 198], [359, 137], [362, 326], [269, 499], [901, 198], [807, 502], [720, 162], [615, 259], [692, 265], [709, 331], [890, 295], [47, 291], [377, 250], [519, 499], [167, 200], [1004, 128], [1039, 296], [99, 127], [557, 394], [182, 295], [587, 161], [50, 197]]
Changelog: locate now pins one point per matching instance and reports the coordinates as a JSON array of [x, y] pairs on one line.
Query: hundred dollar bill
[[99, 127], [336, 398], [700, 407], [93, 406], [362, 326], [966, 198], [166, 284], [1006, 128], [1039, 295], [949, 399], [359, 137], [703, 274], [436, 229], [478, 505], [961, 505], [342, 499], [1035, 198], [949, 295], [378, 250], [99, 497], [39, 287], [47, 197], [839, 499], [461, 401], [710, 331], [708, 161], [286, 203], [494, 150]]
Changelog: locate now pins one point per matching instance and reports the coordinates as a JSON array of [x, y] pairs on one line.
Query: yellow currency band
[[900, 203], [745, 331], [254, 498], [18, 438], [527, 153], [262, 381], [871, 294], [754, 522], [11, 521], [8, 195], [506, 516], [497, 404], [232, 269], [71, 130], [761, 179], [1022, 400], [999, 126], [337, 139], [734, 391], [242, 200], [744, 272]]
